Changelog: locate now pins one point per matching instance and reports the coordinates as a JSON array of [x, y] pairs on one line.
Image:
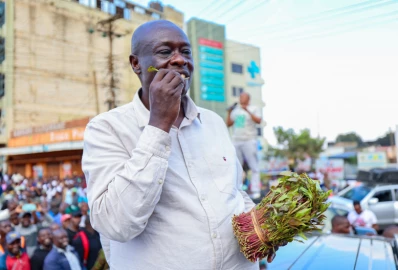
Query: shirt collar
[[142, 113], [60, 250]]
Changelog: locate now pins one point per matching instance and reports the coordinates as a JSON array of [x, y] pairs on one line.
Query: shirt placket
[[194, 176]]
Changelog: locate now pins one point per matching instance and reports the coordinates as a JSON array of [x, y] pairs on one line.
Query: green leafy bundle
[[294, 207]]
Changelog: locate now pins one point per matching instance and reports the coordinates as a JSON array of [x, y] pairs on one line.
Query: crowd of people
[[45, 224]]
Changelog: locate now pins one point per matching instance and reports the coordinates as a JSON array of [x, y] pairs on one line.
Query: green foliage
[[350, 137], [296, 146], [294, 207]]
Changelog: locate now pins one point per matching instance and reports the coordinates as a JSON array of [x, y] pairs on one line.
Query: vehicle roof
[[332, 251]]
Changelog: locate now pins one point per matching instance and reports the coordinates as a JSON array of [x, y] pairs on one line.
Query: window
[[236, 68], [259, 131], [383, 196], [2, 13], [357, 193], [236, 91], [2, 49], [2, 84]]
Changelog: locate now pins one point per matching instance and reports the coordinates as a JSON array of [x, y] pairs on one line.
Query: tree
[[349, 137], [386, 140], [296, 146]]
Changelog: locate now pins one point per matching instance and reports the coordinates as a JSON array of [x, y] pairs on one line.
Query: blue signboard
[[211, 63]]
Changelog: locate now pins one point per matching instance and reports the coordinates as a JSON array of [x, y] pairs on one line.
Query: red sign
[[210, 43]]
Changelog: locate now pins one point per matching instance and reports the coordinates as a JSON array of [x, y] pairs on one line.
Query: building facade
[[63, 60]]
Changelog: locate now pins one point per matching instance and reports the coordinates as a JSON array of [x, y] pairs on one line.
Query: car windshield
[[357, 193]]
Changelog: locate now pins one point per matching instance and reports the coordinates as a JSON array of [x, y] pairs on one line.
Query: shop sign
[[72, 134]]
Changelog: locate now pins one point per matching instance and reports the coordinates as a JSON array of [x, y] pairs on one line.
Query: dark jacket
[[37, 260], [58, 261], [93, 248]]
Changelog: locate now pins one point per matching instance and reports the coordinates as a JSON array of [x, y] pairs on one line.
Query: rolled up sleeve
[[123, 188]]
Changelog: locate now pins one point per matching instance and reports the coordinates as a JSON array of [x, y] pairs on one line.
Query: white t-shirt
[[366, 219], [244, 128]]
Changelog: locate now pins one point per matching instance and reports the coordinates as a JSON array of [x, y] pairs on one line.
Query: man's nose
[[178, 59]]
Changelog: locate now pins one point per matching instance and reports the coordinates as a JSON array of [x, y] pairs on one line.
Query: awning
[[344, 155], [72, 145]]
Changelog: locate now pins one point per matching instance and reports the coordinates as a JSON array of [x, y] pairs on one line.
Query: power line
[[351, 9], [246, 11], [345, 24], [231, 8]]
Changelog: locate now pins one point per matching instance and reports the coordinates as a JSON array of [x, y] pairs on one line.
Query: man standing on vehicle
[[244, 119], [163, 180], [362, 218]]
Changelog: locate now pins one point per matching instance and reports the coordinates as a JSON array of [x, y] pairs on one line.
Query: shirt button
[[214, 235], [203, 197], [160, 181], [167, 148]]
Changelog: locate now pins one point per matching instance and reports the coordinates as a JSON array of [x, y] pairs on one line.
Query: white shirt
[[244, 128], [366, 219], [71, 257], [165, 200]]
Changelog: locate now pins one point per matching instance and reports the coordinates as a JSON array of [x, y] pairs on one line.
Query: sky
[[328, 65]]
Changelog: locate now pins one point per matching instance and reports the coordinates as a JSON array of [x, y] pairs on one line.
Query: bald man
[[163, 178], [244, 119]]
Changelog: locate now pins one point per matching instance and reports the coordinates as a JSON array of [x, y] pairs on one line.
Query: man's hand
[[165, 98], [272, 254]]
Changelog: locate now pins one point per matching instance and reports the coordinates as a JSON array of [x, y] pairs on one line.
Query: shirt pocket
[[223, 173]]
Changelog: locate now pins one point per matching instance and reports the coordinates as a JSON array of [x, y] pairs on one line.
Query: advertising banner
[[211, 65], [370, 160]]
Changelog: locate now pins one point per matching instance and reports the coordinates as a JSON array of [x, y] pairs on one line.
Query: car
[[377, 192], [335, 251]]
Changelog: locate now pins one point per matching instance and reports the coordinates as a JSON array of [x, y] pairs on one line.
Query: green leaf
[[303, 212], [286, 173], [292, 179], [152, 69], [302, 235]]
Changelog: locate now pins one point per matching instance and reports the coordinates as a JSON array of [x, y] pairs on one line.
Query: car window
[[383, 196], [357, 193]]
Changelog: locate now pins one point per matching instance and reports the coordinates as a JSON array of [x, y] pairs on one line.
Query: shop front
[[52, 151]]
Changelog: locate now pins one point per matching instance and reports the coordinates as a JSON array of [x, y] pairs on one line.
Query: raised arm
[[123, 187]]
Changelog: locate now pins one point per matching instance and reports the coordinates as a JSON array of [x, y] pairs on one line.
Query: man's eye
[[165, 52], [186, 52]]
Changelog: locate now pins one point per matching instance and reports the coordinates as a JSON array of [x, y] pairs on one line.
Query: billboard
[[211, 68], [372, 160], [333, 167]]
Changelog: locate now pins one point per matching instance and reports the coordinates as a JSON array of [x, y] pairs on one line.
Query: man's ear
[[135, 64]]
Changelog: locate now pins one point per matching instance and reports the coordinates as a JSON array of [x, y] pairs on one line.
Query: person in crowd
[[62, 256], [341, 225], [244, 119], [85, 212], [87, 244], [362, 218], [5, 228], [29, 231], [161, 162], [390, 232], [65, 220], [44, 239], [15, 220], [53, 227], [55, 204], [15, 257], [73, 227]]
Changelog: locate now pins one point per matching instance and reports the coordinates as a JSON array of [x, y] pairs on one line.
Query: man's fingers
[[176, 81], [271, 257], [160, 75], [169, 76]]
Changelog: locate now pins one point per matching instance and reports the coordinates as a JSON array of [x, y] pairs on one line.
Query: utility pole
[[108, 30]]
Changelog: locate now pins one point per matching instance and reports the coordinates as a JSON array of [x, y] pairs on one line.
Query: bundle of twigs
[[294, 207]]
